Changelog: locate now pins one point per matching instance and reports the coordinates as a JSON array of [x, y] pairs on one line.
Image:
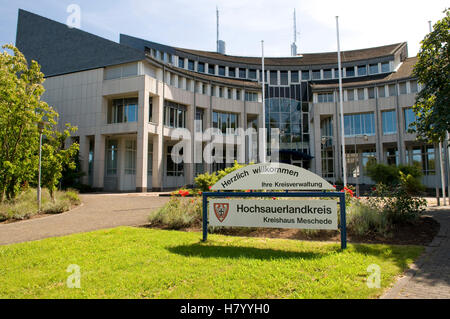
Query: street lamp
[[41, 125]]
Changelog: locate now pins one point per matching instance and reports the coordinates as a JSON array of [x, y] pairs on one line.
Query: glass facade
[[389, 121], [287, 108], [410, 117], [174, 114], [123, 110], [227, 123], [359, 124]]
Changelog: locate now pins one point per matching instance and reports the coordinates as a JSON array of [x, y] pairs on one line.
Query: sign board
[[272, 176], [301, 214]]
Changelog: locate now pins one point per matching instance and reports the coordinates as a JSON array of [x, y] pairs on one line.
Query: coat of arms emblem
[[221, 211]]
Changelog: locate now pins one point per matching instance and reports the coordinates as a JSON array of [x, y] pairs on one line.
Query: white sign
[[272, 176], [303, 214]]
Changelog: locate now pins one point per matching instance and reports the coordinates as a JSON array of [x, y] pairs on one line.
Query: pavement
[[429, 276], [97, 211]]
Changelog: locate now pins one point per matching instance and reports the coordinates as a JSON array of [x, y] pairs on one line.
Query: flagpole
[[264, 136], [341, 106]]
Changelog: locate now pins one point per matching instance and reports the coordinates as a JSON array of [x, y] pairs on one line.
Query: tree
[[433, 71], [21, 109]]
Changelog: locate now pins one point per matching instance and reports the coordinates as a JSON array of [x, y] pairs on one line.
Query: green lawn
[[128, 262]]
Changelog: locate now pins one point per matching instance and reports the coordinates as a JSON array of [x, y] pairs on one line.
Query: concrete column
[[189, 167], [317, 143], [142, 142], [158, 160], [99, 161]]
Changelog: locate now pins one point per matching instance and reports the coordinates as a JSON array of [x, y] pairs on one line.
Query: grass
[[128, 262], [25, 205]]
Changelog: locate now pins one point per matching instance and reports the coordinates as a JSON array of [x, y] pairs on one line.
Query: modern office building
[[127, 98]]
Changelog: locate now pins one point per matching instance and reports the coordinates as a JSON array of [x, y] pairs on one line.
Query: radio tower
[[220, 43]]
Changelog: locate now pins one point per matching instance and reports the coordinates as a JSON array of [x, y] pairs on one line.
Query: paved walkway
[[98, 211], [429, 277]]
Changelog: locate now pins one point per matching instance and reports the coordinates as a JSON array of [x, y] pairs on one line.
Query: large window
[[422, 157], [273, 78], [359, 124], [327, 74], [402, 87], [201, 67], [362, 70], [191, 65], [227, 123], [252, 74], [130, 157], [305, 75], [350, 71], [211, 69], [409, 118], [221, 70], [325, 97], [232, 72], [316, 74], [172, 168], [389, 119], [242, 73], [381, 91], [174, 114], [284, 78], [181, 62], [112, 153], [385, 67], [373, 68], [251, 96], [294, 77], [123, 110]]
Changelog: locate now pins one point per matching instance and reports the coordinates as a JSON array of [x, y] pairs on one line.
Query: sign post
[[226, 210]]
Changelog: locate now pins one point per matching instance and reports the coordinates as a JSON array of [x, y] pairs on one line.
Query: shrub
[[362, 219], [205, 181], [382, 173], [178, 213]]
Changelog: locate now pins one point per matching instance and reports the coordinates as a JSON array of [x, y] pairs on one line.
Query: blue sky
[[244, 23]]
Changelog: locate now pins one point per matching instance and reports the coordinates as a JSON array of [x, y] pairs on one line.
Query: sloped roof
[[405, 71], [60, 49]]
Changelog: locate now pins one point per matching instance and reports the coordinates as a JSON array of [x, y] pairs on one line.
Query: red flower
[[200, 192], [210, 187], [183, 193], [274, 198], [334, 186], [247, 191]]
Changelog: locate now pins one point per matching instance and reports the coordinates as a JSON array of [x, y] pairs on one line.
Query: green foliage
[[406, 177], [382, 173], [205, 181], [21, 109], [363, 220], [178, 213], [397, 203], [24, 205], [433, 70]]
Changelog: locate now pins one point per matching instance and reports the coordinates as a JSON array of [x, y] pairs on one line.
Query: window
[[359, 124], [252, 74], [242, 73], [373, 68], [294, 76], [121, 71], [130, 157], [191, 65], [123, 110], [111, 157], [381, 91], [150, 109], [371, 92], [327, 74], [238, 95], [413, 86], [423, 157], [392, 90], [325, 97], [389, 121], [227, 123], [251, 96], [181, 62], [173, 169], [199, 120], [392, 156], [305, 75], [385, 67], [361, 94], [316, 74], [201, 67], [273, 78], [362, 70], [220, 91], [232, 72], [211, 69], [174, 114], [402, 87], [350, 71], [221, 70], [149, 159], [409, 118], [350, 95], [284, 78]]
